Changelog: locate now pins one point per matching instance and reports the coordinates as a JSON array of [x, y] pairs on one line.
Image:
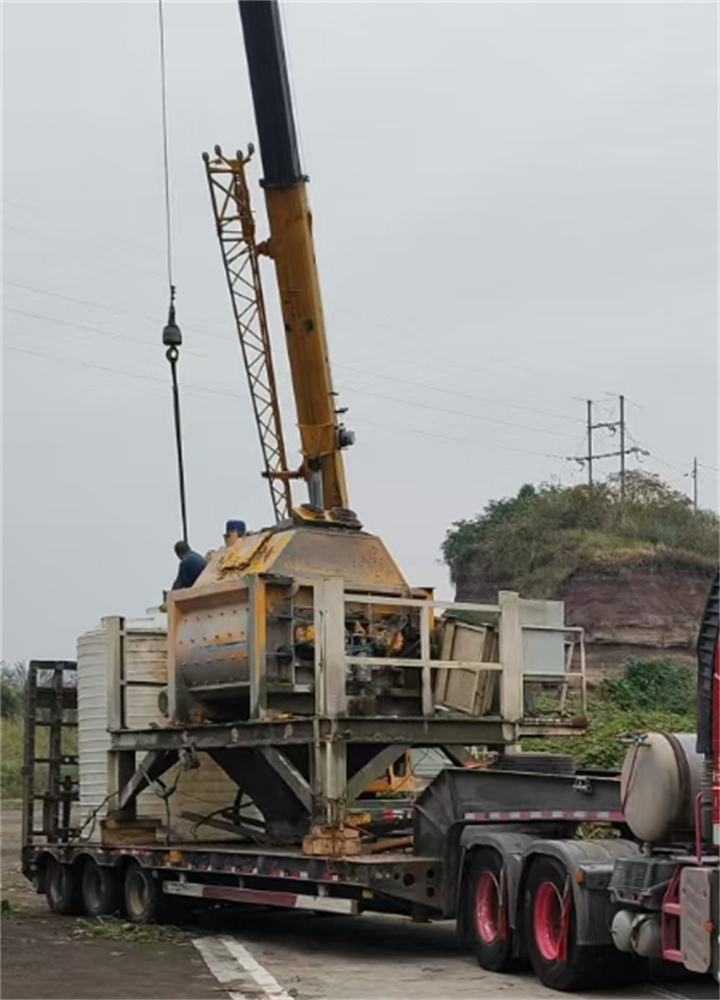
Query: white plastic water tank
[[145, 657], [144, 669], [93, 739]]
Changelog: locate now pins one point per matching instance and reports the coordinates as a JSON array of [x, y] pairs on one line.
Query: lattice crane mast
[[236, 233]]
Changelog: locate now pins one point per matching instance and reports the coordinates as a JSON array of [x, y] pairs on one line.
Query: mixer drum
[[660, 780], [211, 657]]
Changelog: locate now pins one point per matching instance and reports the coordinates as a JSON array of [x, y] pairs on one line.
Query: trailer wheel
[[141, 894], [62, 888], [488, 928], [99, 889], [549, 923]]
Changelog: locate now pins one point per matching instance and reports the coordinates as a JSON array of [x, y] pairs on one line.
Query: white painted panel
[[543, 652], [141, 707]]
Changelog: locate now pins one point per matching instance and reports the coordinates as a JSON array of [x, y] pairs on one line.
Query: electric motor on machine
[[660, 780]]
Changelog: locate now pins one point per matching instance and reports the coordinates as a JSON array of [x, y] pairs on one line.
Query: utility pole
[[622, 447], [591, 458], [695, 483]]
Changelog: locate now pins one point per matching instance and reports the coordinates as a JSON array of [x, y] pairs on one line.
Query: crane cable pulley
[[171, 335]]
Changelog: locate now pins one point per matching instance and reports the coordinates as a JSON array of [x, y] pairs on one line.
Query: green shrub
[[654, 685], [652, 695], [600, 746], [12, 689], [11, 699], [11, 739]]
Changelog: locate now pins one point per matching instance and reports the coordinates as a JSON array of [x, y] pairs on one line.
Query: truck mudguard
[[510, 845], [589, 864]]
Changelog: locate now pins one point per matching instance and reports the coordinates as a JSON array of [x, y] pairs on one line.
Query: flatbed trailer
[[499, 851], [521, 886], [475, 838]]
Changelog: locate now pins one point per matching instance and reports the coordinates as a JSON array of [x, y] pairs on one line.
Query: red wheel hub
[[550, 922], [487, 908]]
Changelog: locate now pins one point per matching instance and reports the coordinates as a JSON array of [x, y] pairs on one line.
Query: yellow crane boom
[[291, 248]]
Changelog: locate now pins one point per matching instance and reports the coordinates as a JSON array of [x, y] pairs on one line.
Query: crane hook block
[[171, 335]]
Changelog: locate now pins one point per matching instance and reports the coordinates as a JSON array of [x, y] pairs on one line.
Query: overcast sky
[[515, 209]]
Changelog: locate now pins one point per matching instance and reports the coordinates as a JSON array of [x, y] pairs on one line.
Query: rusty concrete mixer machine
[[302, 663]]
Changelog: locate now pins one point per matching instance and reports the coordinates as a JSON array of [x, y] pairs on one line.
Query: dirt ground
[[44, 955], [264, 956]]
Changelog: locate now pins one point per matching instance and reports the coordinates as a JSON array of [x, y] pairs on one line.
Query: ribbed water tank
[[145, 655], [144, 670], [93, 739]]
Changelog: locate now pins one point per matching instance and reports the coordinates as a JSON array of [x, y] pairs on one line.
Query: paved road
[[258, 956]]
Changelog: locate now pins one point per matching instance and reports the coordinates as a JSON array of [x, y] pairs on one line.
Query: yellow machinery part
[[291, 248]]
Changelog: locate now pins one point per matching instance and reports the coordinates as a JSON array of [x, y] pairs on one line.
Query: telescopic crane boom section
[[291, 248]]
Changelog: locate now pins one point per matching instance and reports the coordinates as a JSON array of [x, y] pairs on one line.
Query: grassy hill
[[535, 540]]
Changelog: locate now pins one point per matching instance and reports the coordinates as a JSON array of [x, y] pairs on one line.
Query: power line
[[61, 295], [235, 395], [120, 371], [219, 335], [391, 378], [217, 392], [89, 329], [92, 304], [228, 394], [638, 450], [455, 392], [456, 440], [99, 305], [668, 465], [428, 406], [115, 336], [465, 366], [455, 413], [77, 326]]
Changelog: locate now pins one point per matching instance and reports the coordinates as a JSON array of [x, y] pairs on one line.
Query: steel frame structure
[[330, 783], [50, 704], [235, 228]]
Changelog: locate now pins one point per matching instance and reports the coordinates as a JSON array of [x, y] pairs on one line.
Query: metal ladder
[[50, 707]]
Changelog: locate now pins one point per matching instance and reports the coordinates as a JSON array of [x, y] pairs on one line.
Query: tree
[[12, 689]]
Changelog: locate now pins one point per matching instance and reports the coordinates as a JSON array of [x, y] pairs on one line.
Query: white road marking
[[220, 962], [229, 962], [262, 977]]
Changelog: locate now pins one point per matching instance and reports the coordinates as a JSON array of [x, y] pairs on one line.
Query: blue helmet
[[237, 526]]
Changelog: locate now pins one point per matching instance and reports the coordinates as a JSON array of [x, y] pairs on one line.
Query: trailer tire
[[100, 890], [562, 964], [141, 895], [62, 888], [488, 931]]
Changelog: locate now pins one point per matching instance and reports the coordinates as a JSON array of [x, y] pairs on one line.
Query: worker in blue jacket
[[191, 566]]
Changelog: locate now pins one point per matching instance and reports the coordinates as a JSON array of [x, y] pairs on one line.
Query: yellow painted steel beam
[[291, 248]]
